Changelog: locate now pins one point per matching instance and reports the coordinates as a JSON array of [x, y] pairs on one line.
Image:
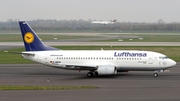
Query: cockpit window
[[163, 57]]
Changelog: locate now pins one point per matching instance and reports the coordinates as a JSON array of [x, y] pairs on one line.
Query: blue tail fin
[[31, 40]]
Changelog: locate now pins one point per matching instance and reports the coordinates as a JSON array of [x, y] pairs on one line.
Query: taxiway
[[132, 86]]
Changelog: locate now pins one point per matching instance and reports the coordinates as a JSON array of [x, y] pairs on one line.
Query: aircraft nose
[[172, 63]]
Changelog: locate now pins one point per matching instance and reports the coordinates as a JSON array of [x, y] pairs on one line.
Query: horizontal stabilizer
[[20, 53]]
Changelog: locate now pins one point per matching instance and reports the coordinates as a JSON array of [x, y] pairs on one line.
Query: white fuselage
[[123, 60]]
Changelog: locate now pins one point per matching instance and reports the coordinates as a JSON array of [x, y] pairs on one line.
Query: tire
[[155, 74], [89, 74]]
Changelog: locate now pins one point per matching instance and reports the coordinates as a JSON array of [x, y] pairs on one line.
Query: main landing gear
[[91, 74]]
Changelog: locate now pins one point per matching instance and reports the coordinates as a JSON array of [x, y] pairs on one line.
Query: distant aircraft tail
[[31, 41]]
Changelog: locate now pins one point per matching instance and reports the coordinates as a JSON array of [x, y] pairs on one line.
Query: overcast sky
[[122, 10]]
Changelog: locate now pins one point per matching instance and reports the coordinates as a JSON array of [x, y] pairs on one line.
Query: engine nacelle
[[107, 70]]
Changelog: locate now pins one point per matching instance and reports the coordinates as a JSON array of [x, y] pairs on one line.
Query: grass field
[[152, 37], [10, 87], [18, 37], [148, 38], [171, 51]]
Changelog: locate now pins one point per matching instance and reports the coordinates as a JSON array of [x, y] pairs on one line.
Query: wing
[[76, 66]]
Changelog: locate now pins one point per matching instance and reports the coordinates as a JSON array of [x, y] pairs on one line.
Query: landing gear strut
[[156, 72]]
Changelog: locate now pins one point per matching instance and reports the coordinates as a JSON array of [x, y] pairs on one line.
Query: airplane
[[97, 62], [103, 22]]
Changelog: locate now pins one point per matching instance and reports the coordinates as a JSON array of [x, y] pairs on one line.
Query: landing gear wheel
[[90, 74], [155, 74]]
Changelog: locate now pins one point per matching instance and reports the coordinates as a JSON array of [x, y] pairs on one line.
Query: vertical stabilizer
[[31, 41]]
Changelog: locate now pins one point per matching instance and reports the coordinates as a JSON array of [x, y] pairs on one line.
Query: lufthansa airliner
[[97, 62]]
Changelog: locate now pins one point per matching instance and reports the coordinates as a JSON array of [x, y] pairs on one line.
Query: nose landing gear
[[155, 74]]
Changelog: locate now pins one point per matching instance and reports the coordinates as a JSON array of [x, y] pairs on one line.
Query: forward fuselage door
[[46, 59], [150, 59]]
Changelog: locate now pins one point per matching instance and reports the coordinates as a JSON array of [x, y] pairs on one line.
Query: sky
[[122, 10]]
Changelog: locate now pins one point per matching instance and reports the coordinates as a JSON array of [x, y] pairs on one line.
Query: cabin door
[[46, 59], [150, 59]]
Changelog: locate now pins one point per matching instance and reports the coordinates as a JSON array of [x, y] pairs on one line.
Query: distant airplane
[[97, 62], [103, 22]]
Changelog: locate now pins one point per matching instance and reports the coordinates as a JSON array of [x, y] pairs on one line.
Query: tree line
[[85, 26]]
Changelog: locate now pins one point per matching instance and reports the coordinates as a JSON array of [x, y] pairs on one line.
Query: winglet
[[31, 41]]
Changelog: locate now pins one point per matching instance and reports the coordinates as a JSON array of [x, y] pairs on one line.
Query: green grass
[[10, 37], [10, 87], [172, 52], [11, 58], [148, 38], [152, 37], [18, 38]]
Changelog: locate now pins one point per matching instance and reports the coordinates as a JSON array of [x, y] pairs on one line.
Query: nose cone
[[172, 63]]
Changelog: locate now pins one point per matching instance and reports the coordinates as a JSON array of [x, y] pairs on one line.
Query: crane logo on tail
[[28, 37]]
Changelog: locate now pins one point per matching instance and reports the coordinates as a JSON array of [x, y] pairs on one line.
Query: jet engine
[[107, 70]]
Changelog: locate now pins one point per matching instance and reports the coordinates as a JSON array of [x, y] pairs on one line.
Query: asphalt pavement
[[131, 86]]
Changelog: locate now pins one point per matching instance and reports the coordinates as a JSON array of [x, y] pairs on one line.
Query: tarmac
[[131, 86]]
